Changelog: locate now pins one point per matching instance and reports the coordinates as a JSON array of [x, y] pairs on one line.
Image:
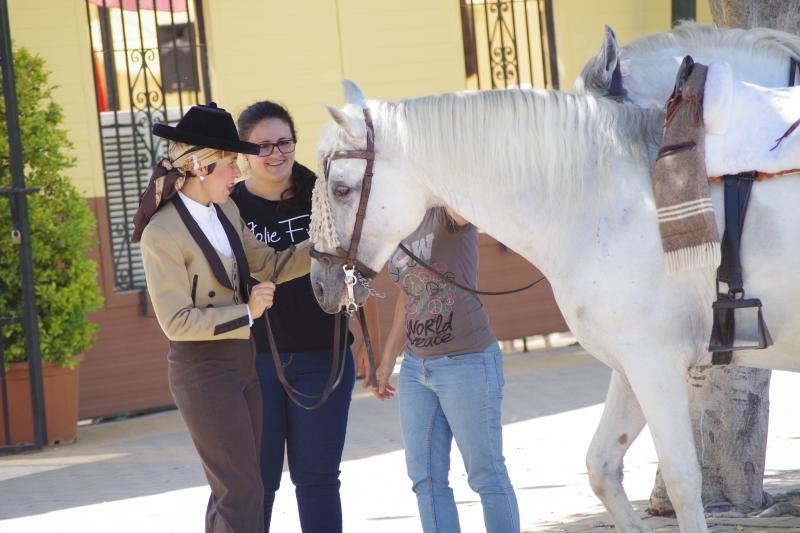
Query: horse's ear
[[353, 94], [610, 50], [599, 71], [355, 129]]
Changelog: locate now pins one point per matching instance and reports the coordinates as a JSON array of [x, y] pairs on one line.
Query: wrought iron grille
[[149, 60], [509, 43]]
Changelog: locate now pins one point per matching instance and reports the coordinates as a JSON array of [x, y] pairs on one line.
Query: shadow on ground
[[153, 454], [537, 384], [789, 481]]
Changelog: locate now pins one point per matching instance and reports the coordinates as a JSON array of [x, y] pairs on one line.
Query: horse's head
[[365, 201], [643, 71], [643, 76]]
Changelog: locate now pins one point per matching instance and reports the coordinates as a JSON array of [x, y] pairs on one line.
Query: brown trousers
[[216, 389]]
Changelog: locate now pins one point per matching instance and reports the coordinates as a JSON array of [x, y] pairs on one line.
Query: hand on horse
[[384, 391], [261, 296]]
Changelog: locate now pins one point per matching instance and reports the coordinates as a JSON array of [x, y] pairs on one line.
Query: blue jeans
[[313, 439], [456, 396]]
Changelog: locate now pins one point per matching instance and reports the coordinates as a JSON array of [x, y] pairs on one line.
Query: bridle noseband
[[348, 259]]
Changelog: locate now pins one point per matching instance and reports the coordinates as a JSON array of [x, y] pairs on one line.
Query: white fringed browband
[[321, 229]]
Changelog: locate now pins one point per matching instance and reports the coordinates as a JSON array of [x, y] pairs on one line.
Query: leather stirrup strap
[[737, 195], [737, 189]]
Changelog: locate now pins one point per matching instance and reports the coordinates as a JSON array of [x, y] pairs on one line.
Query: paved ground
[[142, 474]]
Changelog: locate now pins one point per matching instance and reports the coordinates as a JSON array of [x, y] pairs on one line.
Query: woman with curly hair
[[275, 203]]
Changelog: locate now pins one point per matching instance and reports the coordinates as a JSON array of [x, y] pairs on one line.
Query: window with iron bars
[[149, 61], [509, 43]]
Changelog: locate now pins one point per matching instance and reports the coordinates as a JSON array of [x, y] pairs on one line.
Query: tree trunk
[[781, 15], [730, 414], [730, 406]]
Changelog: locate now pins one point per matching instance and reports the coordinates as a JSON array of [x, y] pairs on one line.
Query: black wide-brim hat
[[207, 126]]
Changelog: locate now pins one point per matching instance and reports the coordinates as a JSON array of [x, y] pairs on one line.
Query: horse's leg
[[621, 423], [660, 387]]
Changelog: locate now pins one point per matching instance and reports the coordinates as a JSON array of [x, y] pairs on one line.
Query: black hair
[[302, 178]]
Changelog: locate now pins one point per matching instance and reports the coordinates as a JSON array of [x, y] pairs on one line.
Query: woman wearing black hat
[[198, 257]]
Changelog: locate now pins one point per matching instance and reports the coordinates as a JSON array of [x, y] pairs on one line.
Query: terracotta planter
[[60, 400]]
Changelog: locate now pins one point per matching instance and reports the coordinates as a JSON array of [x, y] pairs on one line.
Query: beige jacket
[[199, 294]]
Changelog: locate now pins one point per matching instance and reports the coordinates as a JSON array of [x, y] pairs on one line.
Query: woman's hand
[[261, 296], [384, 391], [362, 365]]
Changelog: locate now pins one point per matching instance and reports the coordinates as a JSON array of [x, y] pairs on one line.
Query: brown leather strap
[[349, 257], [788, 132], [327, 260], [337, 362], [346, 257], [281, 260], [351, 154], [366, 187], [362, 319], [421, 262], [334, 377]]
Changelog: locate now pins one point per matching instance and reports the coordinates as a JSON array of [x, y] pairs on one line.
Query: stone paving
[[142, 474]]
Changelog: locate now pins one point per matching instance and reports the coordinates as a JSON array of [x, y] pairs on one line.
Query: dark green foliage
[[62, 227]]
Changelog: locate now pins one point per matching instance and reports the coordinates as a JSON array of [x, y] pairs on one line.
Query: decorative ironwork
[[150, 67], [509, 43], [17, 195]]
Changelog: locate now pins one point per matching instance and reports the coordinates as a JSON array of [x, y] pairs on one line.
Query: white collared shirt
[[208, 220]]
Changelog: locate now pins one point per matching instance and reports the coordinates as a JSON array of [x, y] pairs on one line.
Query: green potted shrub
[[62, 233]]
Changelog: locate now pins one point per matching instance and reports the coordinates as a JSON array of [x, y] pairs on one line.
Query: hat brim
[[173, 134]]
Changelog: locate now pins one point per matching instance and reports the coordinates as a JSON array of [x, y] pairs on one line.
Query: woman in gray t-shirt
[[451, 378]]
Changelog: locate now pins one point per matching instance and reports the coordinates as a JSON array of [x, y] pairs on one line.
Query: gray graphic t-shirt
[[440, 318]]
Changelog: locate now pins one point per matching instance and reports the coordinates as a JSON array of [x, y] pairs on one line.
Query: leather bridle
[[348, 259]]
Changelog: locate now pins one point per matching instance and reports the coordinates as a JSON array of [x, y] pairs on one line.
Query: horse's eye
[[341, 191]]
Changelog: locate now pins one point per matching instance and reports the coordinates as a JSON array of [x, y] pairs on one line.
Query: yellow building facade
[[296, 52], [579, 27], [293, 52]]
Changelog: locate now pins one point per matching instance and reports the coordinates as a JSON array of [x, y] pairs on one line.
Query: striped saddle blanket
[[715, 126]]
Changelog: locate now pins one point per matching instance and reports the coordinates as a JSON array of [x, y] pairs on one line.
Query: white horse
[[564, 181], [648, 66]]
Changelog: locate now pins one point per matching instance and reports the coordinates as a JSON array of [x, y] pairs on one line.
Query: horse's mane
[[690, 34], [533, 140]]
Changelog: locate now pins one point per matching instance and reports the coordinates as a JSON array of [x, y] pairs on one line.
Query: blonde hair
[[188, 157]]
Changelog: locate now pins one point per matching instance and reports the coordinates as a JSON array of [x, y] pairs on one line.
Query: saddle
[[749, 127], [747, 133]]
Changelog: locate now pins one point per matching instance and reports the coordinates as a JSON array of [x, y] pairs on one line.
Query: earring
[[196, 166]]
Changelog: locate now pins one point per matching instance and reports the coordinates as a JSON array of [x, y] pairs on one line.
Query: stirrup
[[723, 332]]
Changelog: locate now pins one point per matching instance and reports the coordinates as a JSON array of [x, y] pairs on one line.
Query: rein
[[421, 262], [337, 364]]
